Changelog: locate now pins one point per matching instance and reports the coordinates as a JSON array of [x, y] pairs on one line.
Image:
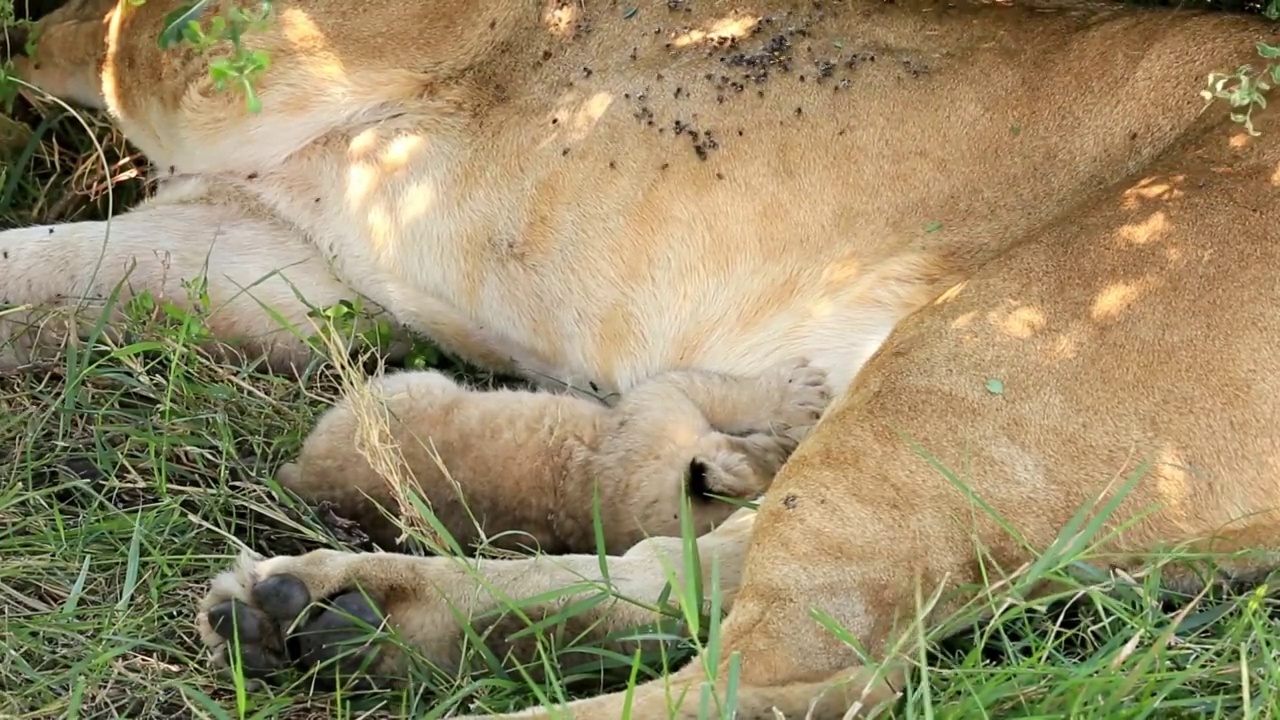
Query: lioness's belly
[[587, 227]]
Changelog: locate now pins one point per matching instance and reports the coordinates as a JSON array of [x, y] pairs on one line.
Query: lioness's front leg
[[320, 608], [254, 271]]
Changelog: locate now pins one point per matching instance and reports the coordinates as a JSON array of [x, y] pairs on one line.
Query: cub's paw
[[728, 472], [267, 617], [805, 395]]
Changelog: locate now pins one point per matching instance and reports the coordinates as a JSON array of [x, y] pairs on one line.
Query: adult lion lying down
[[1015, 239]]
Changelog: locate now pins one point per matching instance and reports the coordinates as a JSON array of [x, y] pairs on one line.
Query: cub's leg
[[751, 423], [690, 434], [252, 267], [787, 399], [302, 611]]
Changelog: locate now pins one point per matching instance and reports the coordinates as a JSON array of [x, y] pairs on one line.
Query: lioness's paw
[[805, 395], [265, 619]]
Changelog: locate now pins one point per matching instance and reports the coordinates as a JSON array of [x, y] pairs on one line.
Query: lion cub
[[471, 451]]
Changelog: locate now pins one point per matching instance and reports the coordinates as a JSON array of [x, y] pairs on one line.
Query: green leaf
[[176, 21], [192, 33], [422, 356], [220, 73], [252, 101]]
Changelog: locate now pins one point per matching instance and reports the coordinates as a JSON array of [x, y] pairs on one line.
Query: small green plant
[[350, 323], [242, 67], [8, 86], [1247, 88]]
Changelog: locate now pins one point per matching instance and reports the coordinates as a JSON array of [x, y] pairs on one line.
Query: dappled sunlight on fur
[[1039, 286]]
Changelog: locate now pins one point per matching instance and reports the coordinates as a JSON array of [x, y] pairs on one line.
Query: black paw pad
[[258, 629], [281, 628], [338, 637], [281, 597], [258, 662], [235, 619]]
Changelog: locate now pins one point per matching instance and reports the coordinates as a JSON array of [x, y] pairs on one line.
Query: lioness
[[679, 435], [1017, 241]]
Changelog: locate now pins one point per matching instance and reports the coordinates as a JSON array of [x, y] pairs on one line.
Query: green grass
[[130, 474], [62, 166]]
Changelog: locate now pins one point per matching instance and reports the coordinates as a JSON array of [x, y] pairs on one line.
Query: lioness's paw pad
[[267, 625]]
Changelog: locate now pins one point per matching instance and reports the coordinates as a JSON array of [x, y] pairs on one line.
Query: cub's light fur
[[922, 197], [470, 453]]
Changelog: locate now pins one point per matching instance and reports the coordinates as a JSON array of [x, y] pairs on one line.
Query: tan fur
[[469, 452], [1038, 198]]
